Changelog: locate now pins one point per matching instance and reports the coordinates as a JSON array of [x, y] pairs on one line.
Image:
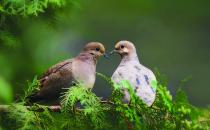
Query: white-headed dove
[[130, 69]]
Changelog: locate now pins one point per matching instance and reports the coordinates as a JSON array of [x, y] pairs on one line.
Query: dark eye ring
[[122, 46], [97, 49]]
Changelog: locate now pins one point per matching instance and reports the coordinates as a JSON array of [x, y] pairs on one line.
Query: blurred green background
[[173, 36]]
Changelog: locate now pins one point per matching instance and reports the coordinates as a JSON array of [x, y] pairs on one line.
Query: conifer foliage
[[27, 7], [82, 109]]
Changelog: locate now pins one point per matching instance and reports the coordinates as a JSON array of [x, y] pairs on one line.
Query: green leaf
[[154, 84], [89, 101], [1, 8], [181, 97], [5, 92], [31, 88], [165, 97]]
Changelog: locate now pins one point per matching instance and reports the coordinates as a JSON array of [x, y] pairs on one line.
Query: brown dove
[[141, 78], [81, 69]]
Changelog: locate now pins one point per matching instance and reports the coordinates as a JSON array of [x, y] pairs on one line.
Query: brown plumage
[[82, 69]]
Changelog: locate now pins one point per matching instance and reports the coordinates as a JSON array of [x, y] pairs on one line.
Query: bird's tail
[[33, 98]]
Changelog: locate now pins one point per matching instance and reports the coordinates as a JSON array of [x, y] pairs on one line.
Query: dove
[[62, 75], [130, 69]]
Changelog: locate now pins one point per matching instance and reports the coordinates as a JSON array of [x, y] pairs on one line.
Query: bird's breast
[[84, 72]]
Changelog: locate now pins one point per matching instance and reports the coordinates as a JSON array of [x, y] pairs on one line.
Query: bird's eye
[[122, 46], [97, 49]]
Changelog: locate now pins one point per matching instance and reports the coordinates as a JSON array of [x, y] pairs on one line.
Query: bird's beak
[[112, 52], [106, 56]]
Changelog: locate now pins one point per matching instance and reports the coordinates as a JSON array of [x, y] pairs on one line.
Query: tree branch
[[4, 108], [56, 108]]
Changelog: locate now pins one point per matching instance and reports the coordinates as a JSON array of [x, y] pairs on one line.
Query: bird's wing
[[143, 82], [149, 77], [52, 82], [54, 69]]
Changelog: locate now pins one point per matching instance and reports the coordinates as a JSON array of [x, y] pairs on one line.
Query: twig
[[108, 102], [37, 108], [56, 108], [4, 108]]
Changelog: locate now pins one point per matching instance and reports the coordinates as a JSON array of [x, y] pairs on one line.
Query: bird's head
[[124, 48], [96, 49]]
